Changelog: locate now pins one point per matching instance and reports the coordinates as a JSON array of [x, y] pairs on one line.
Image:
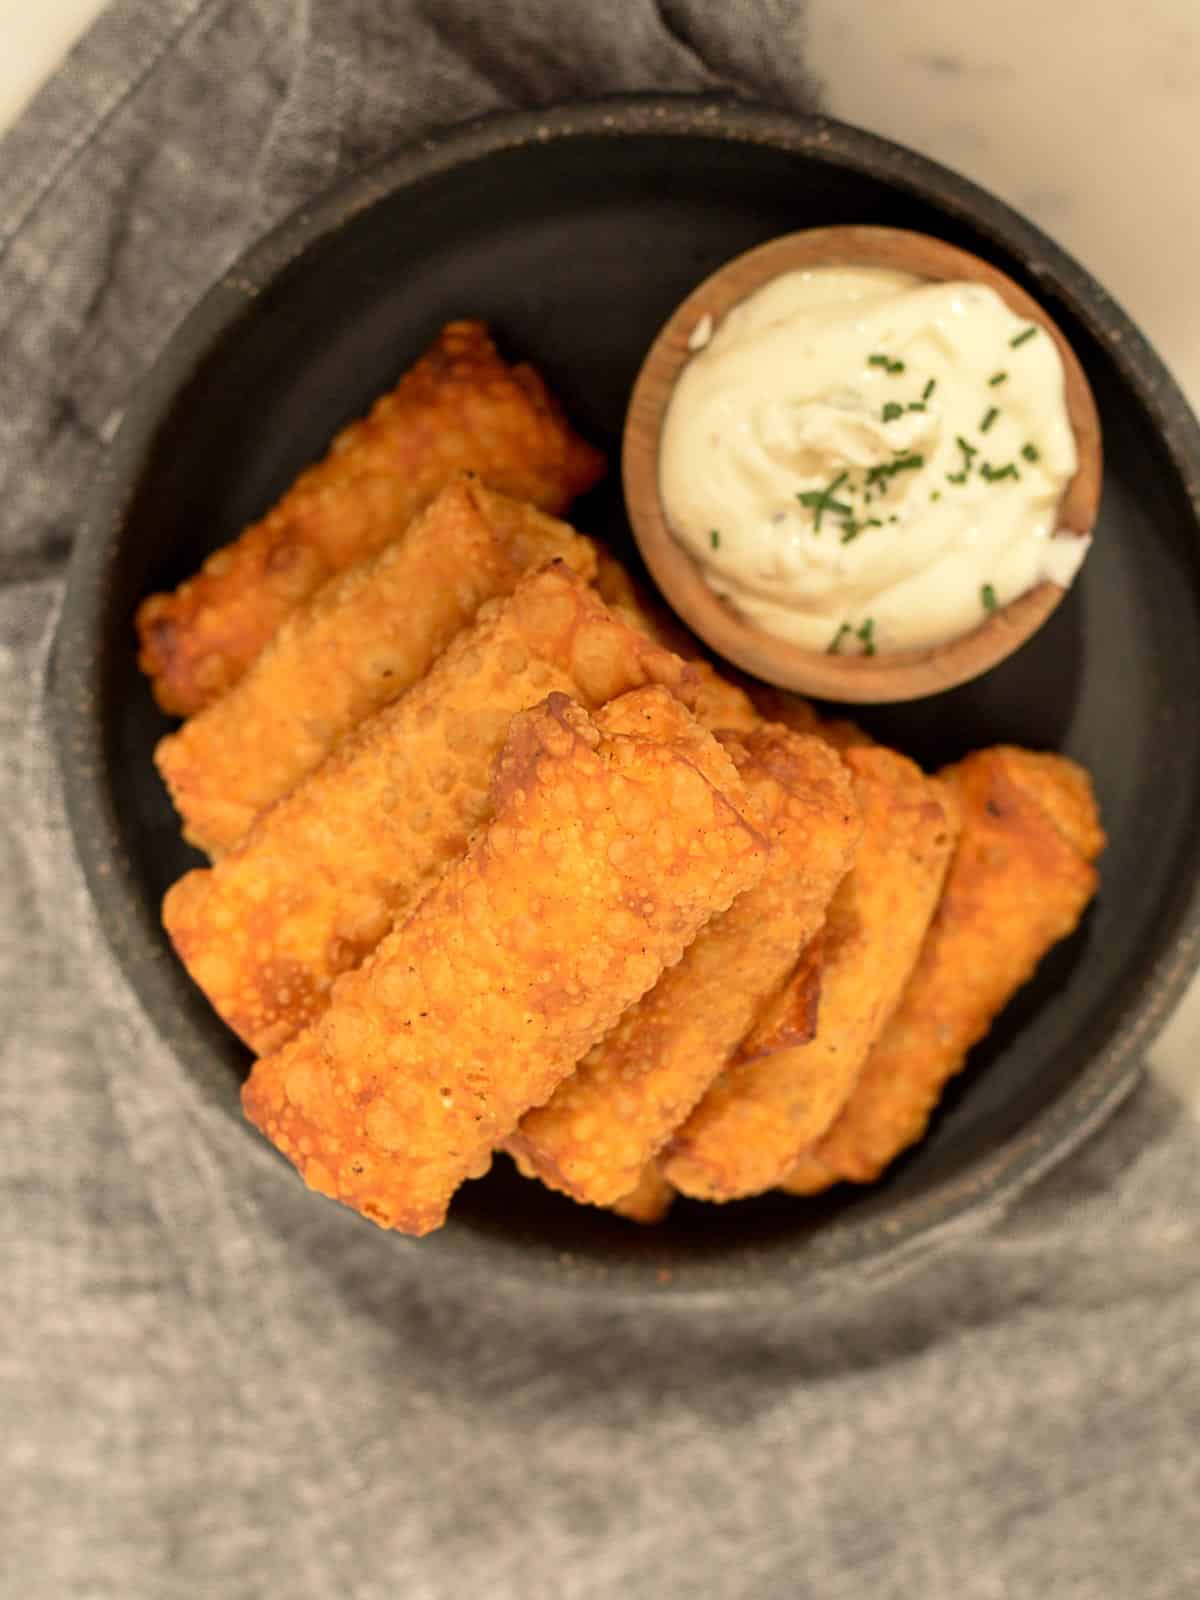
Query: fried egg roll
[[608, 1119], [321, 875], [1019, 881], [649, 1201], [460, 408], [605, 854], [361, 640], [778, 1095]]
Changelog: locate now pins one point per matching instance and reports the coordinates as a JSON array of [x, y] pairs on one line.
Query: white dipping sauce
[[861, 459]]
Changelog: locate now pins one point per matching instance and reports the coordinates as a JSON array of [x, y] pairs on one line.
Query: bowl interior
[[575, 246]]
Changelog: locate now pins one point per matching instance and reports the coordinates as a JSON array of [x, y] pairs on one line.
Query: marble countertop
[[1087, 125]]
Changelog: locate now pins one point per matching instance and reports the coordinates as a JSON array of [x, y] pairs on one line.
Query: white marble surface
[[1084, 114]]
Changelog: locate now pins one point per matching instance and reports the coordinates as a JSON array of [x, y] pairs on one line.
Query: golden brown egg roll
[[358, 643], [1019, 881], [650, 1199], [460, 408], [321, 876], [778, 1096], [608, 1119], [605, 853]]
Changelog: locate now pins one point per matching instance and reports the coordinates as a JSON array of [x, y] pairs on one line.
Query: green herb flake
[[835, 644], [997, 377], [877, 360], [881, 475], [1023, 337], [916, 405], [936, 495], [714, 538], [819, 501], [991, 474], [956, 477], [892, 410], [989, 417], [1031, 452], [987, 597], [851, 530], [866, 636], [928, 389]]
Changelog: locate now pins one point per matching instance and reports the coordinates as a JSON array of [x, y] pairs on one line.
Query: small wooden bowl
[[897, 674]]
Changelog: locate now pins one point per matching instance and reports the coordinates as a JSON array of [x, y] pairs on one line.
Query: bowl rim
[[866, 1246]]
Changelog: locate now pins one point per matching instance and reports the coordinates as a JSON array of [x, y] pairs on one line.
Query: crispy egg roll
[[619, 589], [650, 1199], [1019, 881], [781, 705], [359, 642], [778, 1096], [322, 874], [605, 853], [460, 408], [626, 1097], [718, 702]]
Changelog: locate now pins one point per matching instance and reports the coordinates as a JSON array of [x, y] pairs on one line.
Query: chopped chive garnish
[[832, 648], [989, 417], [820, 501], [992, 474], [894, 367], [928, 389], [969, 452], [882, 474], [872, 522], [936, 495], [1022, 337], [1031, 452], [877, 360], [916, 405], [866, 634], [996, 377], [889, 366], [987, 596], [892, 410], [714, 538], [851, 529]]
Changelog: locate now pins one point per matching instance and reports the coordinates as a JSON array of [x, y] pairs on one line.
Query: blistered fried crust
[[791, 1016], [1019, 881], [619, 589], [357, 644], [779, 1096], [606, 1121], [460, 408], [716, 701], [604, 856], [780, 705], [650, 1201], [321, 876]]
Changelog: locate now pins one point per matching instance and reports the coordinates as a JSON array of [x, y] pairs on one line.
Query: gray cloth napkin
[[215, 1384]]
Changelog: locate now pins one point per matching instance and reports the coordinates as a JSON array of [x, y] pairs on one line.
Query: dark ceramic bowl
[[574, 232]]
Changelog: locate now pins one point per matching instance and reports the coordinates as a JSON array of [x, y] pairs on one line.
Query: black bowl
[[574, 232]]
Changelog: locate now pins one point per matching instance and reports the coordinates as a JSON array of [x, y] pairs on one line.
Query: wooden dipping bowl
[[891, 675]]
